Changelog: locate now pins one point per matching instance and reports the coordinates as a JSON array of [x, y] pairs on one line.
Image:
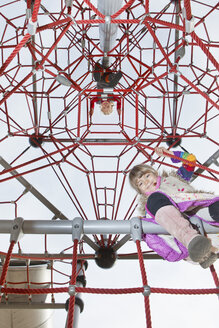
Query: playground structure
[[51, 146]]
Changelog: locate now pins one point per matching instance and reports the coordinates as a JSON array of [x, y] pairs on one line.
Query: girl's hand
[[161, 150]]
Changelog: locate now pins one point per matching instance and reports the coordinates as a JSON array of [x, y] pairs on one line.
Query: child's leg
[[210, 213], [214, 211], [171, 219]]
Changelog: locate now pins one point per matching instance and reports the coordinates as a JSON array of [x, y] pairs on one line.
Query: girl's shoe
[[199, 249], [209, 261]]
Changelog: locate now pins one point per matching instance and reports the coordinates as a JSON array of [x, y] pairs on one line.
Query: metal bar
[[115, 140], [212, 159], [107, 30], [35, 107], [34, 191], [89, 227], [39, 257]]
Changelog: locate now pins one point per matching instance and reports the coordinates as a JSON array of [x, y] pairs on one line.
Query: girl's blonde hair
[[136, 173]]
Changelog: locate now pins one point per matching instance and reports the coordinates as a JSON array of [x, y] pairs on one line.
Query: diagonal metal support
[[121, 242], [90, 242], [212, 160], [34, 191]]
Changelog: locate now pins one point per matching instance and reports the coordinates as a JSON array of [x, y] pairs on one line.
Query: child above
[[106, 79], [165, 199]]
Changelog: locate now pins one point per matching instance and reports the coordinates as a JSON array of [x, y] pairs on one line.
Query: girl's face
[[147, 183]]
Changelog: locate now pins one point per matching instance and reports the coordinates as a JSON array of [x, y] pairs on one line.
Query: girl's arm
[[186, 170], [160, 151]]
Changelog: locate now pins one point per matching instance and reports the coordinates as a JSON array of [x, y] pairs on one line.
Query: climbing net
[[54, 151]]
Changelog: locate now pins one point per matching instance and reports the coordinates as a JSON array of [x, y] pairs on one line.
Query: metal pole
[[88, 256], [108, 31], [79, 304], [175, 83], [212, 159], [89, 227]]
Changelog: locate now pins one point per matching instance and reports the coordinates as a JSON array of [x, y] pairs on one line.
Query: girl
[[167, 198]]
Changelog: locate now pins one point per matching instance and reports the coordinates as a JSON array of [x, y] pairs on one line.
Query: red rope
[[145, 283], [185, 291], [126, 6], [214, 275], [141, 262], [6, 264], [188, 9], [35, 10], [14, 52], [94, 9], [146, 6], [72, 282], [111, 291], [205, 50]]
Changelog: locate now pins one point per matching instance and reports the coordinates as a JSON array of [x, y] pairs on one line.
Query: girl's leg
[[171, 219], [214, 211], [210, 213]]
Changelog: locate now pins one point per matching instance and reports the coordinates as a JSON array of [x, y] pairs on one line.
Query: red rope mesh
[[145, 283], [132, 21], [199, 91], [72, 282]]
